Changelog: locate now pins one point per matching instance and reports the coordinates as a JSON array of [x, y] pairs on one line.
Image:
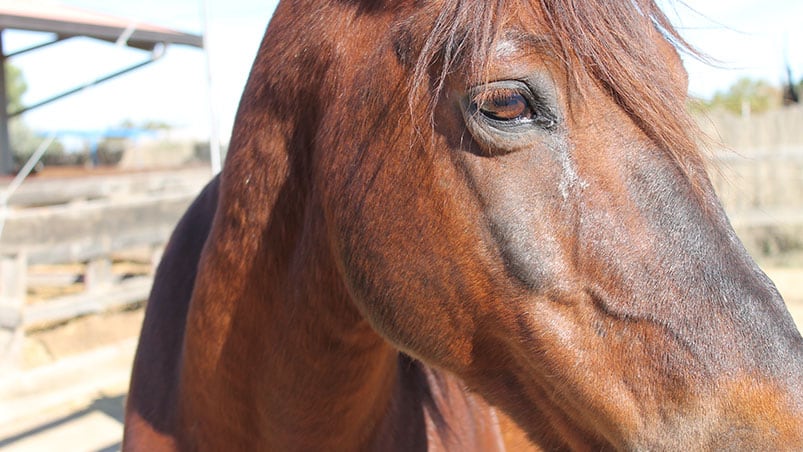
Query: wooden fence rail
[[82, 242], [762, 191]]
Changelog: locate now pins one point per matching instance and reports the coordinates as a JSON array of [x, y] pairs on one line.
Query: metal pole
[[214, 135], [6, 159], [154, 57]]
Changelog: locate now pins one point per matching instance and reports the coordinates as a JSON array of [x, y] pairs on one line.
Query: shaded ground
[[73, 405], [72, 338], [96, 426]]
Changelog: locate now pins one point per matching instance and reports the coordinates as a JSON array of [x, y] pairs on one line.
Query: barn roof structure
[[66, 22]]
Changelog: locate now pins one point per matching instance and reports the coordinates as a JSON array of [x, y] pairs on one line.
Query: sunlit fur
[[379, 267]]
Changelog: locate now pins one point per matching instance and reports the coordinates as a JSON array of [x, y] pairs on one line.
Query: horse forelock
[[612, 42]]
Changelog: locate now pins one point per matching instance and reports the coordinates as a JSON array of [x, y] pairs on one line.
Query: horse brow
[[541, 43]]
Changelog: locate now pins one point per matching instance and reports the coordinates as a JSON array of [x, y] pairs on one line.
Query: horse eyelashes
[[511, 105], [504, 105]]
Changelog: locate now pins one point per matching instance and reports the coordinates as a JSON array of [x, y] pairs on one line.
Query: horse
[[445, 223]]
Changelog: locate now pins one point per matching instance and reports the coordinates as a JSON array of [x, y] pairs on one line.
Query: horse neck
[[277, 357], [272, 342]]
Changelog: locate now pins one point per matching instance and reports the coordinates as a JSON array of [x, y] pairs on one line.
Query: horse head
[[510, 191], [531, 213]]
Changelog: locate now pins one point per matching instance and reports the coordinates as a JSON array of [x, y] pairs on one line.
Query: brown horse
[[437, 215]]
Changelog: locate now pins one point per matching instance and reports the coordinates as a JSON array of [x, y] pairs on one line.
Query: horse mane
[[613, 42]]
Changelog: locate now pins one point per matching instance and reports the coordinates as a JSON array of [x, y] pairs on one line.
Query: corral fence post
[[13, 286], [99, 275]]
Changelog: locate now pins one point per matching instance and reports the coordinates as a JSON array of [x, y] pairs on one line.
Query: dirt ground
[[49, 345], [60, 172]]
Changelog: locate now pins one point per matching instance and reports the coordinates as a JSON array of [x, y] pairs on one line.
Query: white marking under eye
[[509, 48], [570, 178]]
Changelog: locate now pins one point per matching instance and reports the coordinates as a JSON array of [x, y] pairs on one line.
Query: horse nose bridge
[[762, 327], [755, 363]]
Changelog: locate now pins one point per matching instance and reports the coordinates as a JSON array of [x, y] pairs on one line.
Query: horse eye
[[504, 105]]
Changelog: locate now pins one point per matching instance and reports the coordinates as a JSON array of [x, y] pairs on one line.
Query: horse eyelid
[[543, 116]]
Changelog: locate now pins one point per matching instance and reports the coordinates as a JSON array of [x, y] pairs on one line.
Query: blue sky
[[747, 37]]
